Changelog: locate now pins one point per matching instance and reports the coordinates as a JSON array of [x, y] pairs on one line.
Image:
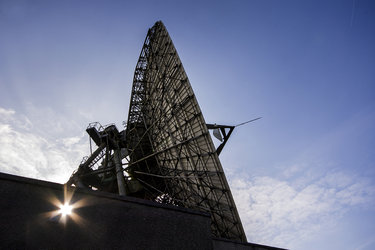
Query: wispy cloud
[[277, 212], [40, 145], [369, 244], [311, 194]]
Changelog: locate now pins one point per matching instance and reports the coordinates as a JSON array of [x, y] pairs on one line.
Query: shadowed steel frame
[[170, 150]]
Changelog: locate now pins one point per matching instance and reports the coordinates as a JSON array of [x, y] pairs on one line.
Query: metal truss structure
[[165, 153]]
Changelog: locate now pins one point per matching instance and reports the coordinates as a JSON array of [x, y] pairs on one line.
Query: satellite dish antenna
[[170, 156]]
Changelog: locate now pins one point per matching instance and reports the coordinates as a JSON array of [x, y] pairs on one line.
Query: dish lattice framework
[[170, 149]]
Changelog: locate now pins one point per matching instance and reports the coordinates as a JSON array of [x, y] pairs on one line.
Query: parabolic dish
[[170, 149]]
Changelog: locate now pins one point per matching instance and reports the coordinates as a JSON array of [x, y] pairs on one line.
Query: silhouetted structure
[[165, 153]]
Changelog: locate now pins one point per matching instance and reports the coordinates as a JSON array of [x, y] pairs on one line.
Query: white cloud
[[46, 146], [6, 113], [276, 212], [325, 186]]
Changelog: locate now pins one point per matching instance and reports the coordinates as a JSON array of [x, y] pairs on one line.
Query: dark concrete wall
[[106, 221], [99, 221]]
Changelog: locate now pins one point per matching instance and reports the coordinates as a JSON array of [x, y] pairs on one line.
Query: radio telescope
[[165, 153]]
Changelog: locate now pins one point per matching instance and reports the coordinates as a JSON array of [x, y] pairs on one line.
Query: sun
[[66, 209]]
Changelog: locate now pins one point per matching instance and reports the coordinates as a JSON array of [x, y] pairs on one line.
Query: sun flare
[[66, 209]]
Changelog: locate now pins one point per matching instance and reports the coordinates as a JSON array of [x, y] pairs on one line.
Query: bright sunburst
[[65, 209]]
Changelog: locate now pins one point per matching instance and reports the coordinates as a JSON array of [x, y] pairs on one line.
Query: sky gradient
[[303, 177]]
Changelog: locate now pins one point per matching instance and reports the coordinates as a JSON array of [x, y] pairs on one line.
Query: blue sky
[[303, 176]]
